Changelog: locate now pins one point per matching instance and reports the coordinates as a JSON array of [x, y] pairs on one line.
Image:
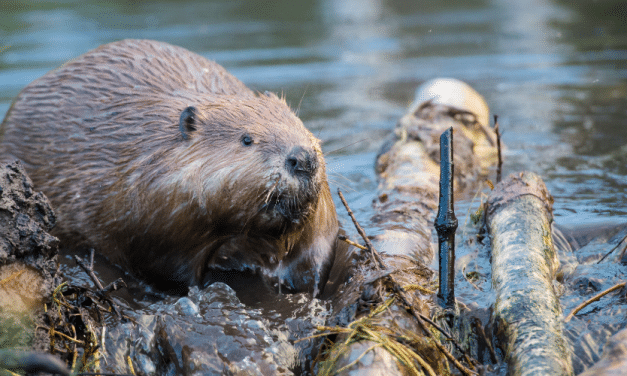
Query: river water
[[555, 72]]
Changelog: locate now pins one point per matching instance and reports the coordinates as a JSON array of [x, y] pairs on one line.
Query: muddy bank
[[25, 217], [28, 272]]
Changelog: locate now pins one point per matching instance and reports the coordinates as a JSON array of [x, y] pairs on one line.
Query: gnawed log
[[527, 312], [408, 170], [408, 163]]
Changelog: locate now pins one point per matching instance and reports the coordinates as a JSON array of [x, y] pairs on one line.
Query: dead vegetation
[[417, 352], [75, 320]]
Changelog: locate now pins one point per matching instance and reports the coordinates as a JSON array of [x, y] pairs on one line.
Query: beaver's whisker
[[270, 191], [343, 187], [344, 147], [259, 209], [297, 111]]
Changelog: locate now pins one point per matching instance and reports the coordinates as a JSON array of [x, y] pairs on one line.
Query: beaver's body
[[161, 159]]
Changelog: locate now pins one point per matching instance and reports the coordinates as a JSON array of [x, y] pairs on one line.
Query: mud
[[211, 332], [25, 219], [28, 260]]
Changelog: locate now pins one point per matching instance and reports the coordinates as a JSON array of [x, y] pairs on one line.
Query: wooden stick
[[497, 130], [62, 334], [446, 223], [350, 242], [593, 299], [375, 256], [613, 249], [102, 292]]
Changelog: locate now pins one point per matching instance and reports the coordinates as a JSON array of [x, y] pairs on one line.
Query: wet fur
[[100, 136]]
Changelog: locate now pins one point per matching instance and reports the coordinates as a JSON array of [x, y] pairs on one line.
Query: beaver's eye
[[247, 140]]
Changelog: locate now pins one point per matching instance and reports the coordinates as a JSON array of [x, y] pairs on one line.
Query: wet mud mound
[[28, 272]]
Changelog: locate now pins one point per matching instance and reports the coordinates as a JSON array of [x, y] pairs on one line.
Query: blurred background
[[555, 71]]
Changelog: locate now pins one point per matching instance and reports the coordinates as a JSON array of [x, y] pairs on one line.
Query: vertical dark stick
[[446, 222], [499, 167]]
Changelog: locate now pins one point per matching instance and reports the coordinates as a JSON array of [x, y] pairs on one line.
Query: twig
[[443, 349], [419, 288], [89, 269], [469, 281], [497, 130], [420, 318], [114, 286], [130, 364], [613, 249], [11, 277], [74, 348], [74, 362], [102, 342], [102, 292], [379, 264], [593, 299], [54, 332], [350, 242]]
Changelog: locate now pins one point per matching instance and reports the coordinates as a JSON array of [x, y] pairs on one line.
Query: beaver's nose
[[300, 161]]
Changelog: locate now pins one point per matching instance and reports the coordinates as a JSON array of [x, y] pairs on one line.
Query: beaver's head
[[249, 162]]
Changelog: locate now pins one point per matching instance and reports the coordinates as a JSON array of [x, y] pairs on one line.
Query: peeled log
[[408, 172], [527, 312], [408, 164]]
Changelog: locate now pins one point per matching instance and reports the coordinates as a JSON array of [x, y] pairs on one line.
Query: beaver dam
[[425, 289]]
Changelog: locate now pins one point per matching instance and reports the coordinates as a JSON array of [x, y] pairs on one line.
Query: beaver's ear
[[187, 122]]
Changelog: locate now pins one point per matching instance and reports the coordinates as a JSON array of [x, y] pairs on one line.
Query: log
[[408, 164], [408, 171], [527, 312]]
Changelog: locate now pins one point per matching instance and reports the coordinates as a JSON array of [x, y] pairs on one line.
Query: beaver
[[163, 161]]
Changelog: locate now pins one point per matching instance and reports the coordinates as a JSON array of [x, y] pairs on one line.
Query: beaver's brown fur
[[162, 160]]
